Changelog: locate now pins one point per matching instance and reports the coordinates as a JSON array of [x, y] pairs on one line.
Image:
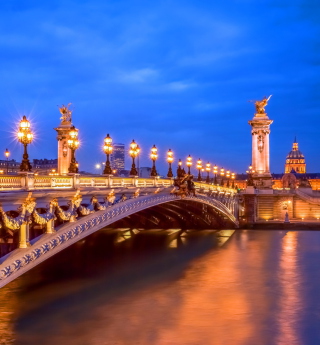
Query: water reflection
[[290, 302], [152, 289]]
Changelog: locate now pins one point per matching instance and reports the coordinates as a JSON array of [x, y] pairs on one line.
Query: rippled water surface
[[260, 287]]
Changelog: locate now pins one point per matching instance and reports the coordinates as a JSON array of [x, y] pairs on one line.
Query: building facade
[[295, 160], [9, 166], [45, 166], [118, 157], [144, 172]]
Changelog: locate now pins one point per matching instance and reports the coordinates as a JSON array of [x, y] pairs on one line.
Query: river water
[[260, 287]]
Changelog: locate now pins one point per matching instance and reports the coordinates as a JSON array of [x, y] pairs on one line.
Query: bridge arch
[[22, 260]]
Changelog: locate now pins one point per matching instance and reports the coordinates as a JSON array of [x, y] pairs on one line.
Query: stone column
[[64, 153], [260, 150]]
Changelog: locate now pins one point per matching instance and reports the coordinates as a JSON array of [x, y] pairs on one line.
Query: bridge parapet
[[9, 182]]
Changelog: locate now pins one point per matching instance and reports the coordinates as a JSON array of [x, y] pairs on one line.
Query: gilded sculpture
[[260, 105], [66, 113]]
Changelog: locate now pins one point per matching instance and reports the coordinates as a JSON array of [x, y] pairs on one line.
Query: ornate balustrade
[[10, 182], [73, 182]]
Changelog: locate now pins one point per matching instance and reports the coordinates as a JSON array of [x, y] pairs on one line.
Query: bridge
[[42, 215]]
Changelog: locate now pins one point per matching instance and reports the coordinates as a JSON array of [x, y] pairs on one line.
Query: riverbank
[[276, 225]]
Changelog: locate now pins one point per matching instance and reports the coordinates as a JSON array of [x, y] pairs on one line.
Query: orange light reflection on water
[[290, 301]]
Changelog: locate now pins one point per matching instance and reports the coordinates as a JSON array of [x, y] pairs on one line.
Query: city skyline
[[175, 75]]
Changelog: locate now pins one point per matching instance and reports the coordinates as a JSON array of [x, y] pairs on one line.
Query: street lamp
[[134, 152], [233, 176], [250, 179], [25, 136], [107, 148], [215, 171], [199, 167], [208, 172], [73, 144], [179, 170], [221, 174], [228, 178], [7, 154], [170, 160], [154, 156], [189, 163]]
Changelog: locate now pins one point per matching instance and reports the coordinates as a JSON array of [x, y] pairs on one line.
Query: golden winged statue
[[260, 105], [66, 113]]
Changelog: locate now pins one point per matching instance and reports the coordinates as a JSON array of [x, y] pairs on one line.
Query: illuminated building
[[295, 160], [45, 166], [118, 157]]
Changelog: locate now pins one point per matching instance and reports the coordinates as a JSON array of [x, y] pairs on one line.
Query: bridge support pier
[[24, 236]]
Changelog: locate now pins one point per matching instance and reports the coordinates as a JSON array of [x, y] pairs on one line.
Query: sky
[[177, 74]]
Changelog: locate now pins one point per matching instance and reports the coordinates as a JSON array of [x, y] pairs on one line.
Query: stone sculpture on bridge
[[260, 105], [66, 113]]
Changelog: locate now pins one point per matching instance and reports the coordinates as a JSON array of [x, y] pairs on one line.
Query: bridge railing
[[30, 182], [10, 182], [207, 187]]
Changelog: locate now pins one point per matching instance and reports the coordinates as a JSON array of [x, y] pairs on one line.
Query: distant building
[[295, 161], [45, 166], [118, 157], [144, 172], [11, 164]]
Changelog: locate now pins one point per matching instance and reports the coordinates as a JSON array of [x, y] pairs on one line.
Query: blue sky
[[177, 74]]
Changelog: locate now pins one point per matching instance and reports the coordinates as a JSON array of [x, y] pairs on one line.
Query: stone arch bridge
[[38, 222]]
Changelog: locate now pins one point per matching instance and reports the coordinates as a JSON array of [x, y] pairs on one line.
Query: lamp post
[[7, 154], [199, 167], [107, 148], [233, 176], [222, 174], [154, 157], [215, 171], [134, 152], [208, 172], [228, 178], [25, 136], [250, 179], [189, 163], [170, 160], [179, 170], [73, 144]]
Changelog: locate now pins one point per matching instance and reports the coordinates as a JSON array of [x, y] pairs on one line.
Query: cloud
[[144, 75], [179, 86]]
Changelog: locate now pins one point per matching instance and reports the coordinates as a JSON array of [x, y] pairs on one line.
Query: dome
[[297, 154], [295, 160]]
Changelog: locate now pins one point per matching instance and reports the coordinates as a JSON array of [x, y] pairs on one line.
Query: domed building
[[295, 160]]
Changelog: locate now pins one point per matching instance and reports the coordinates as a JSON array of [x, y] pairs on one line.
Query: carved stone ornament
[[260, 143], [64, 149]]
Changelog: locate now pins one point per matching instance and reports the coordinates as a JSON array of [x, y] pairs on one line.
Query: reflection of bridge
[[55, 216]]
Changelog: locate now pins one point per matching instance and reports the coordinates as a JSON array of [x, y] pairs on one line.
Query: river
[[259, 287]]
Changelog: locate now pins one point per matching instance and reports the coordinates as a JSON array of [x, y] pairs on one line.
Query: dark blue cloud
[[177, 74]]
